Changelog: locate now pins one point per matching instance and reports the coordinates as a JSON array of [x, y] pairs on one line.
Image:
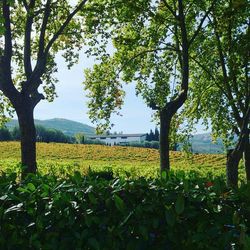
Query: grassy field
[[67, 158]]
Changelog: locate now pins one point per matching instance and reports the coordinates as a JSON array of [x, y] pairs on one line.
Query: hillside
[[68, 127], [202, 143]]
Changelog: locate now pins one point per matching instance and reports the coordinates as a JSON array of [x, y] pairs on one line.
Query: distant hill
[[68, 127], [202, 143]]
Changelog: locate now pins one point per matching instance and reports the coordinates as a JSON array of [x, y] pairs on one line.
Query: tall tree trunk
[[247, 158], [233, 159], [165, 120], [28, 138], [234, 156]]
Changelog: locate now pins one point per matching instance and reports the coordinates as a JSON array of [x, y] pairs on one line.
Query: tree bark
[[165, 120], [247, 158], [233, 159], [28, 138]]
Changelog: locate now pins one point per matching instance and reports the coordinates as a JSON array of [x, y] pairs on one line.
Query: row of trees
[[153, 136], [178, 52], [42, 135]]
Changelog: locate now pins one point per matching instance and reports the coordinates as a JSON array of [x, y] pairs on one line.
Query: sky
[[71, 102]]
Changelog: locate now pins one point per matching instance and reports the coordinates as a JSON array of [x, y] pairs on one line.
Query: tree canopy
[[220, 77], [153, 43], [148, 49]]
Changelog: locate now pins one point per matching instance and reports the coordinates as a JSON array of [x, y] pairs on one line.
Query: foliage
[[176, 211], [94, 142], [40, 30], [220, 93], [145, 144], [153, 136], [5, 134], [149, 40], [42, 135], [80, 138], [51, 135], [32, 33]]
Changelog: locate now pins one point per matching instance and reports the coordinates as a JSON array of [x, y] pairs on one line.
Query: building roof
[[118, 135]]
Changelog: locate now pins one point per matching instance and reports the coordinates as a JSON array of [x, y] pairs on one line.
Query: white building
[[119, 139]]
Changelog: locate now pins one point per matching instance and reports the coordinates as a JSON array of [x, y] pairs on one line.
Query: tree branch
[[64, 25], [196, 33], [7, 33], [27, 40], [34, 81], [170, 9], [185, 50], [168, 47], [43, 29], [177, 102], [203, 67], [6, 83], [225, 77], [25, 4], [243, 131], [36, 98]]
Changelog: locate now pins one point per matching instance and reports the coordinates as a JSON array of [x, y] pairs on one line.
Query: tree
[[221, 90], [32, 32], [157, 134], [16, 134], [80, 138], [153, 41], [5, 134], [51, 135], [151, 135]]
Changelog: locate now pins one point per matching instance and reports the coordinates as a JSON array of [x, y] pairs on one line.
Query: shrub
[[176, 211]]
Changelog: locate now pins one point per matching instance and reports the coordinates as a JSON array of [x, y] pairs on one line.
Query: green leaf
[[94, 243], [31, 187], [246, 243], [144, 232], [92, 198], [170, 217], [180, 204], [119, 203], [15, 208], [164, 175], [236, 218]]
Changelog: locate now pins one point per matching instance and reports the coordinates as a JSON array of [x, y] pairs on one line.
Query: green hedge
[[178, 211]]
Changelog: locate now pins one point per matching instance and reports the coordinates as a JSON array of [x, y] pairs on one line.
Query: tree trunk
[[247, 158], [28, 139], [233, 159], [165, 120]]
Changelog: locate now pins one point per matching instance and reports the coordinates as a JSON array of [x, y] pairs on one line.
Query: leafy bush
[[42, 135], [177, 211], [94, 142], [144, 144], [5, 134]]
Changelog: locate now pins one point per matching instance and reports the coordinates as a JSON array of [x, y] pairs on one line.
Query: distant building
[[119, 139]]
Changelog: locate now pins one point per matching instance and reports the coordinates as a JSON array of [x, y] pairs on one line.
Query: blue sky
[[72, 102]]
